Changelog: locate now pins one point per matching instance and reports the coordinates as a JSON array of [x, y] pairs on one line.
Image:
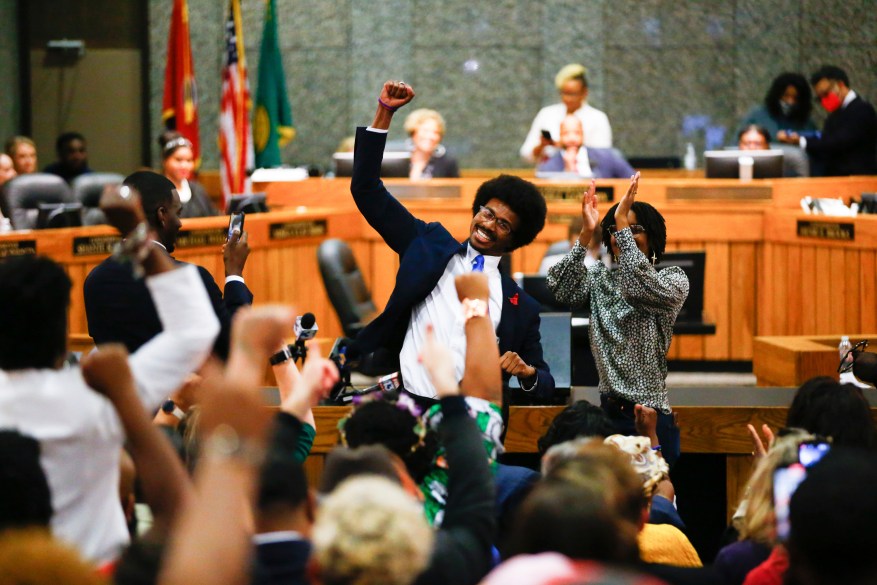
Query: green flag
[[272, 124]]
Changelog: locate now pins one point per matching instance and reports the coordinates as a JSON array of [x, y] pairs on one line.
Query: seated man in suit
[[507, 212], [117, 304], [574, 157]]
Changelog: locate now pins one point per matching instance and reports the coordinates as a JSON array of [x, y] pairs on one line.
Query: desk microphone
[[305, 328]]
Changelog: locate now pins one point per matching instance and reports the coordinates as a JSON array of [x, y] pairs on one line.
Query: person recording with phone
[[117, 304]]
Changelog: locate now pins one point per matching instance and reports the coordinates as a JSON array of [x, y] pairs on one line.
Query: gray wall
[[665, 71]]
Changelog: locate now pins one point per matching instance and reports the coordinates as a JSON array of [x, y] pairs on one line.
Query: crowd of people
[[155, 460]]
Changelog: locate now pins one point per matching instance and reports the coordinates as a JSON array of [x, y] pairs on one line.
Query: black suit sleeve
[[239, 295], [463, 546], [852, 130], [383, 212]]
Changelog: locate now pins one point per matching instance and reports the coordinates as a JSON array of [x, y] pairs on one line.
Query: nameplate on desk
[[742, 192], [823, 230], [288, 230], [199, 238], [94, 245], [18, 248], [574, 192], [425, 191]]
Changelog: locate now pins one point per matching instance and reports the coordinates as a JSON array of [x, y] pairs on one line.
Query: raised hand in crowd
[[590, 216], [122, 208], [760, 447], [256, 334], [318, 376], [207, 546], [235, 252], [163, 478], [482, 378], [626, 203], [439, 363]]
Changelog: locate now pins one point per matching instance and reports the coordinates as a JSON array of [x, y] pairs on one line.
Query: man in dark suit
[[118, 306], [574, 157], [508, 212], [848, 144]]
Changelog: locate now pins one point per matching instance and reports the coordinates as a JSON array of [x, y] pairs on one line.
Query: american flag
[[235, 136]]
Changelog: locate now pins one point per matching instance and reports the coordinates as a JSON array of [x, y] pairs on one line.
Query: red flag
[[179, 108], [235, 135]]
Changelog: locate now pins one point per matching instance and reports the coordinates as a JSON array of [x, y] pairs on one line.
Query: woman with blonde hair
[[755, 518], [429, 158], [572, 85]]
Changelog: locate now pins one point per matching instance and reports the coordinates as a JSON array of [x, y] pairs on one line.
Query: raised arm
[[639, 283], [568, 279], [211, 542], [462, 553], [482, 377], [382, 211], [164, 480]]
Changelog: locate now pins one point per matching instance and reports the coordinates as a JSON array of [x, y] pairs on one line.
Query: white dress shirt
[[598, 132], [443, 310], [78, 430]]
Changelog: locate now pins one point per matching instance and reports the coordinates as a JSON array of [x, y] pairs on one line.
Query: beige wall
[[98, 95]]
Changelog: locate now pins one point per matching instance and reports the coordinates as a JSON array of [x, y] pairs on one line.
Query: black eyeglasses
[[849, 358], [502, 225], [635, 229]]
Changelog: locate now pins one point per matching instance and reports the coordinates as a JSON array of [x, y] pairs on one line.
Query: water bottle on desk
[[690, 159]]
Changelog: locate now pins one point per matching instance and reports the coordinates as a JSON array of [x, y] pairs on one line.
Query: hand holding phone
[[235, 222]]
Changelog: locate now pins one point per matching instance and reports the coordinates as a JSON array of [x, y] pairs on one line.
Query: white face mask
[[785, 108]]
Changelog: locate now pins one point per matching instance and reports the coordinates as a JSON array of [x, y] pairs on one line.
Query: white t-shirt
[[80, 434]]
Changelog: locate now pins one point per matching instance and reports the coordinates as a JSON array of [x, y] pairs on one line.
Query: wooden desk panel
[[792, 360]]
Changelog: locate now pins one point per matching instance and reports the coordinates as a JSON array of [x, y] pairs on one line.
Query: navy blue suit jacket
[[424, 251], [119, 307], [605, 164]]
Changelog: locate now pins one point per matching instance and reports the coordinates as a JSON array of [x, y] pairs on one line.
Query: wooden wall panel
[[742, 302], [717, 300], [867, 291]]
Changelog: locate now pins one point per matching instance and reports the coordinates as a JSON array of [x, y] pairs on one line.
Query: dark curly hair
[[823, 406], [831, 73], [380, 423], [580, 419], [523, 198], [801, 110], [35, 295], [648, 217]]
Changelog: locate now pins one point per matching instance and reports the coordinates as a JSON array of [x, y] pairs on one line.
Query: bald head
[[572, 133]]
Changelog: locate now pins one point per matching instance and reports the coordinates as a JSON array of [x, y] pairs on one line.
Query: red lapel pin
[[514, 299]]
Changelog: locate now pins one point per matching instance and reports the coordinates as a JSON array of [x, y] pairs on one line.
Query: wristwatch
[[170, 407], [474, 308], [281, 356]]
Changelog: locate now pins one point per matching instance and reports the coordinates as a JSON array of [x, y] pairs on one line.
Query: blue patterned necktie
[[478, 263]]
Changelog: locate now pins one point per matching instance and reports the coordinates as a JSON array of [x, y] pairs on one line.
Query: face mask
[[785, 108], [830, 102]]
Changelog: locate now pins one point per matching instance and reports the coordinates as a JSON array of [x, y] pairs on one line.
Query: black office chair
[[345, 286], [87, 190], [23, 194]]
